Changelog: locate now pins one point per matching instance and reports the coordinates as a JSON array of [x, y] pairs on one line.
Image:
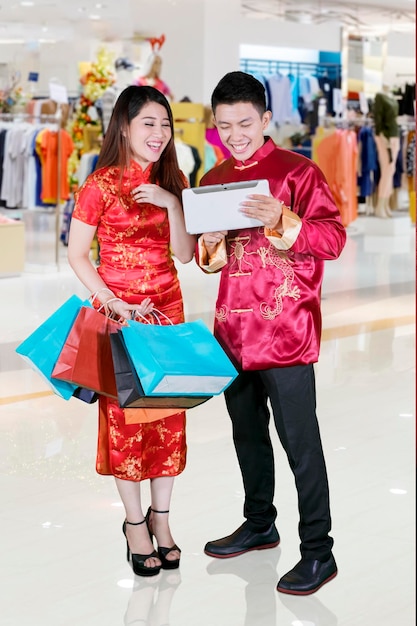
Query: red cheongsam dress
[[135, 263]]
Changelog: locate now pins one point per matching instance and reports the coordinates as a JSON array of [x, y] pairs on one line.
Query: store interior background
[[203, 37], [63, 559]]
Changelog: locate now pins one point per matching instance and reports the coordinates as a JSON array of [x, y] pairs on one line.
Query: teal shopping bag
[[178, 359], [42, 347]]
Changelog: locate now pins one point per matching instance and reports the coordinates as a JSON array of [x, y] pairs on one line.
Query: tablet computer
[[216, 207]]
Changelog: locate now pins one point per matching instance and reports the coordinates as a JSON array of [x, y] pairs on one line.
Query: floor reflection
[[151, 599]]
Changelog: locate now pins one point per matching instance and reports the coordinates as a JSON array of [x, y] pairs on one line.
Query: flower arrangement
[[93, 83], [12, 96]]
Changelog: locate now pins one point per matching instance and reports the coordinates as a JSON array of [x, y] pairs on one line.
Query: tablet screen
[[216, 207]]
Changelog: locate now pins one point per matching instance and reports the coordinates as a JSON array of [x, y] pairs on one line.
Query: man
[[268, 320]]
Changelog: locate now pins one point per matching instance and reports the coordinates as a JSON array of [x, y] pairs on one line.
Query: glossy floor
[[62, 550]]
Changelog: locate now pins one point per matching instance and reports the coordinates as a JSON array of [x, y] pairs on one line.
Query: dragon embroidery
[[271, 256], [240, 265]]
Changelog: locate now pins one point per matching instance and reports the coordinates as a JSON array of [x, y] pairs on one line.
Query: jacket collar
[[257, 156]]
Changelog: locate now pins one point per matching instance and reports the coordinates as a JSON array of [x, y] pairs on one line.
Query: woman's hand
[[126, 311], [154, 194], [182, 244], [266, 209]]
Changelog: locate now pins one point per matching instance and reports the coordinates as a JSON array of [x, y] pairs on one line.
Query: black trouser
[[292, 394]]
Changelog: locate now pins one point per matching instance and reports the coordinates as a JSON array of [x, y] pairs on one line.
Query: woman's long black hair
[[116, 146]]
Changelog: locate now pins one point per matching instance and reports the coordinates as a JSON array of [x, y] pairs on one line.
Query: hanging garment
[[385, 113], [185, 157], [47, 147], [281, 99], [337, 156], [367, 161]]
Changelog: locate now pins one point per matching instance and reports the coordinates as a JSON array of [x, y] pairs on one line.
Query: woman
[[132, 201]]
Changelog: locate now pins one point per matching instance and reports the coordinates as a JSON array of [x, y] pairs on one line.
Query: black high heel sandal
[[138, 560], [163, 552]]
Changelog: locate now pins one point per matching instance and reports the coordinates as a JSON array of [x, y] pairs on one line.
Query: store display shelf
[[12, 248]]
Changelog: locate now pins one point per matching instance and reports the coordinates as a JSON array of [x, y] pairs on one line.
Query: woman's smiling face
[[149, 133]]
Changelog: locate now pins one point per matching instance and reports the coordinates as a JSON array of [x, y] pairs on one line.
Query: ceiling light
[[11, 41], [404, 28]]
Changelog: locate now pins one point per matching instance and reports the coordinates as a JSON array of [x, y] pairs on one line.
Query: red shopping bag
[[86, 358]]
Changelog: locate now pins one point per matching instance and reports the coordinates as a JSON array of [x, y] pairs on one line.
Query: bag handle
[[155, 314], [111, 315], [94, 295], [103, 306]]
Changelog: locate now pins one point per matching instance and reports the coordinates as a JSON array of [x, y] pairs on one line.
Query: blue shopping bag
[[42, 347], [178, 359]]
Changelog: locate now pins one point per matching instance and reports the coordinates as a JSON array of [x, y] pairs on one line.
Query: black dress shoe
[[241, 541], [308, 576]]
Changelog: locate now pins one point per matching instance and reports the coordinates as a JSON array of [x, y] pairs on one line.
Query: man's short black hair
[[237, 87]]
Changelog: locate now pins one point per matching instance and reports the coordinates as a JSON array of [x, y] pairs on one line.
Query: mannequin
[[123, 68], [50, 107], [388, 145], [151, 75]]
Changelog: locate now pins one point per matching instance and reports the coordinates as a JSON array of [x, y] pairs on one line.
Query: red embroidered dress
[[135, 262]]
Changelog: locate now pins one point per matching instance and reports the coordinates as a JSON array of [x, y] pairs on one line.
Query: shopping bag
[[85, 359], [129, 389], [178, 359], [86, 395], [146, 416], [42, 347]]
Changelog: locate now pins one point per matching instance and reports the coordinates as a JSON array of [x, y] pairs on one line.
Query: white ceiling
[[365, 13], [43, 19]]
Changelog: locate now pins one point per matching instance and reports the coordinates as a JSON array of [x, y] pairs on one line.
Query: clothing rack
[[337, 122], [46, 118], [27, 117], [269, 67], [300, 74]]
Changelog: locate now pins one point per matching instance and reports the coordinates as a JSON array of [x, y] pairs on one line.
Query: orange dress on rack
[[135, 262], [47, 149], [337, 156]]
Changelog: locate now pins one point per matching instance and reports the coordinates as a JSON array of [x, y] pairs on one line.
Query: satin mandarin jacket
[[268, 305]]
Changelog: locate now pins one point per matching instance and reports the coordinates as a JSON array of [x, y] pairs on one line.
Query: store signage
[[58, 93]]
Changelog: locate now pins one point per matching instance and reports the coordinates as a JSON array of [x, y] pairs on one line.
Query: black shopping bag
[[129, 389]]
